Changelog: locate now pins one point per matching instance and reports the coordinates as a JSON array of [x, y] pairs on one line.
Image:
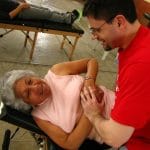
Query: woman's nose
[[34, 87]]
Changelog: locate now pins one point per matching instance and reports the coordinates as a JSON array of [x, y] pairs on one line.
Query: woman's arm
[[16, 11], [87, 65], [71, 140], [81, 131]]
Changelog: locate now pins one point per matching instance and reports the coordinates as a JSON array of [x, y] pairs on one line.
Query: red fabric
[[132, 105]]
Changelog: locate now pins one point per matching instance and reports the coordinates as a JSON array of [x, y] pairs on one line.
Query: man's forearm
[[98, 122], [104, 128]]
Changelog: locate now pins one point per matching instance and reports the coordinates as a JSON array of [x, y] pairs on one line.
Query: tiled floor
[[47, 52]]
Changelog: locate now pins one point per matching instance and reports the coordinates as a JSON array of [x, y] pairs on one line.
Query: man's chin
[[107, 48]]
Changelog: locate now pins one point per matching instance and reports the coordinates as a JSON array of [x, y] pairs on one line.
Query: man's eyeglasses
[[96, 30]]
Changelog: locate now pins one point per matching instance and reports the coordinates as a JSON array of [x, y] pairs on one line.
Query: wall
[[142, 7]]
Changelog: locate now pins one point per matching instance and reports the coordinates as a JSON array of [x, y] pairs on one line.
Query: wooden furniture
[[27, 26], [147, 16], [141, 8]]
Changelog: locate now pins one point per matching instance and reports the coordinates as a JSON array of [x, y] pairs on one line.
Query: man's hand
[[92, 102], [24, 5], [16, 11]]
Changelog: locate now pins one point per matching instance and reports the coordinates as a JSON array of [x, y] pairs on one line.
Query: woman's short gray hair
[[7, 91]]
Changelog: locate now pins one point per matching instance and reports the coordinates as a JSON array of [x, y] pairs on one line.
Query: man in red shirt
[[114, 22]]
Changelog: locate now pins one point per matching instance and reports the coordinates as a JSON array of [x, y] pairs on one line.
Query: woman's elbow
[[70, 146]]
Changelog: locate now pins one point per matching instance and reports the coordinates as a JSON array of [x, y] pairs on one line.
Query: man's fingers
[[86, 93], [84, 102], [92, 93], [102, 103], [82, 97]]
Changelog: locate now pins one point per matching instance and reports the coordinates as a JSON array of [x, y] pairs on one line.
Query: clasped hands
[[92, 101]]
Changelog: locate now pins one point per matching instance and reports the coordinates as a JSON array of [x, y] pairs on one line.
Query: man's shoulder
[[145, 32]]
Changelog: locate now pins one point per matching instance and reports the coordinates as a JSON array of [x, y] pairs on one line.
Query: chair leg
[[104, 55], [70, 43], [33, 44], [63, 41], [6, 141], [73, 48], [26, 38], [1, 35]]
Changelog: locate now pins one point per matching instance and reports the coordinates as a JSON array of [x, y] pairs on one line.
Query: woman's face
[[32, 90]]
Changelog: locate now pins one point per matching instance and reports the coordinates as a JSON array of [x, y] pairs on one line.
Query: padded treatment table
[[27, 26], [26, 121], [22, 120]]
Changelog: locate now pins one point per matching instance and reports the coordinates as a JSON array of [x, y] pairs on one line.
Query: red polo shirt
[[132, 105]]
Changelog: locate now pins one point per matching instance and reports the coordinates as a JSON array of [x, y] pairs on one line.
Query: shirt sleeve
[[133, 96], [39, 114]]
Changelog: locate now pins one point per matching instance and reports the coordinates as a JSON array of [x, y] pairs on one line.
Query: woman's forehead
[[26, 77]]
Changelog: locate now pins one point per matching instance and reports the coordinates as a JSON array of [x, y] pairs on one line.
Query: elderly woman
[[56, 99]]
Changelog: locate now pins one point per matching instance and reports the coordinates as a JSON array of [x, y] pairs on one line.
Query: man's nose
[[95, 37]]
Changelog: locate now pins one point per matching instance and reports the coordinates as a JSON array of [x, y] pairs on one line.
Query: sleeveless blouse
[[63, 108]]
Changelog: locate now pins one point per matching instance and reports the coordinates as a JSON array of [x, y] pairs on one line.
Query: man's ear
[[120, 20]]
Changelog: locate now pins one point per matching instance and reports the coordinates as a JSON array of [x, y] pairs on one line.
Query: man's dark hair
[[108, 9]]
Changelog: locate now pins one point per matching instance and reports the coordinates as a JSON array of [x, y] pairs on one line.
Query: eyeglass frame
[[95, 30]]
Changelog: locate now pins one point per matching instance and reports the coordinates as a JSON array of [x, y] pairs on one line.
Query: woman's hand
[[92, 102], [89, 83]]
